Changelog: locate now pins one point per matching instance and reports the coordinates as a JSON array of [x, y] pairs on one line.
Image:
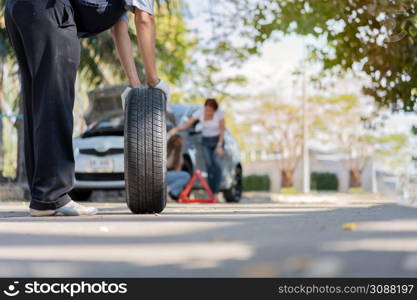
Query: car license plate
[[101, 165]]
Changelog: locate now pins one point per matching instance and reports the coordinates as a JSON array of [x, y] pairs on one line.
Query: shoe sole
[[59, 214]]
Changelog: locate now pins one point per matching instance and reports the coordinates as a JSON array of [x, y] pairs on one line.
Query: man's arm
[[121, 38], [146, 35]]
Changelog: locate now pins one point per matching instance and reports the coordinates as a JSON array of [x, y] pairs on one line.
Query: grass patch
[[289, 191]]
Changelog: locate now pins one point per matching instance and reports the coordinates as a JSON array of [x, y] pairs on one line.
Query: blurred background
[[319, 94]]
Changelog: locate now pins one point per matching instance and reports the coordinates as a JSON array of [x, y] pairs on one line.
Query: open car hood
[[104, 102]]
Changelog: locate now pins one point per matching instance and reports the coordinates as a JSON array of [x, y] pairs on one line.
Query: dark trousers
[[44, 38], [213, 163]]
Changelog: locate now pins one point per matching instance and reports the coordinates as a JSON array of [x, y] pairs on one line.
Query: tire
[[234, 194], [145, 151], [80, 195]]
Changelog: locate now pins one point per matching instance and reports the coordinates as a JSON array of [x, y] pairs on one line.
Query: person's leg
[[217, 169], [26, 92], [52, 51], [176, 181], [208, 154]]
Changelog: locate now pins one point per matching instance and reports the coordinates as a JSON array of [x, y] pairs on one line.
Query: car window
[[192, 110], [178, 111], [183, 112], [110, 123], [110, 126]]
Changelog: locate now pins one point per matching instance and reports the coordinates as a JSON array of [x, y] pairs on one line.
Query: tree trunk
[[287, 178], [355, 178]]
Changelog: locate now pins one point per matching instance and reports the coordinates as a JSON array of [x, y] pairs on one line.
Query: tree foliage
[[343, 124], [350, 125], [377, 37]]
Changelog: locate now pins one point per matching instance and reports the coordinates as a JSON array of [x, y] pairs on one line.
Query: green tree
[[350, 125], [377, 37], [276, 127], [7, 76], [343, 123]]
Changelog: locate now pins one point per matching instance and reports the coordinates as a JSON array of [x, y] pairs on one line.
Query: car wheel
[[80, 195], [234, 193], [145, 150]]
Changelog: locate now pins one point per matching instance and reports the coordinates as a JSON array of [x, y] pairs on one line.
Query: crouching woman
[[176, 178], [212, 119]]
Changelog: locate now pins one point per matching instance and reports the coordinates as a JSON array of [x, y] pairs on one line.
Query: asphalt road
[[254, 238]]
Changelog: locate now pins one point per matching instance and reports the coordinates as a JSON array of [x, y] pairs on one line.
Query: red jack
[[184, 195]]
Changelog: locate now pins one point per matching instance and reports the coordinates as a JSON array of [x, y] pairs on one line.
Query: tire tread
[[145, 151]]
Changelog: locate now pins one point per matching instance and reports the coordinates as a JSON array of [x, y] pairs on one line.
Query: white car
[[99, 158]]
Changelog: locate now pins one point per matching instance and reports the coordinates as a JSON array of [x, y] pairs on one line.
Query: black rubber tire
[[145, 151], [234, 194], [80, 195]]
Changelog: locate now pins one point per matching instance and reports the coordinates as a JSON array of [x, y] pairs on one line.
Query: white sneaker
[[72, 208]]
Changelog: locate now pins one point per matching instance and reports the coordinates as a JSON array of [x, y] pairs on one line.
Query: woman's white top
[[145, 5], [211, 128]]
